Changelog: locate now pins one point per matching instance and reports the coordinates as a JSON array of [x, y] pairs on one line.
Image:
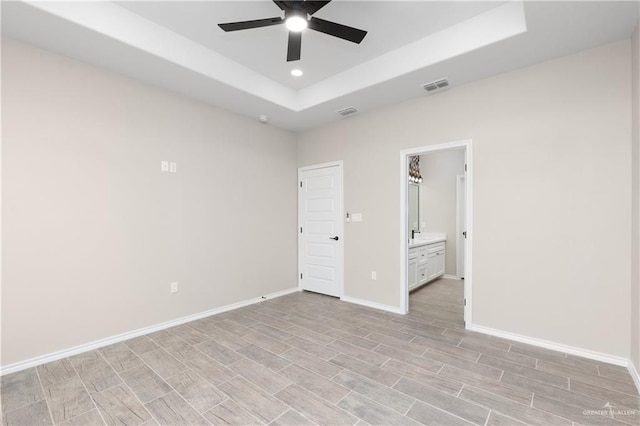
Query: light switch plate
[[173, 167], [164, 166], [356, 217]]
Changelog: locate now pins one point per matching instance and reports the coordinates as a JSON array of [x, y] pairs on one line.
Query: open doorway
[[436, 220]]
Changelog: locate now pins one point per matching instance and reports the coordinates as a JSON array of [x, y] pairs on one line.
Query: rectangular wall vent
[[347, 111], [436, 85]]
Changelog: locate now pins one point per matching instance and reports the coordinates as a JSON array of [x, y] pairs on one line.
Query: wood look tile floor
[[306, 359]]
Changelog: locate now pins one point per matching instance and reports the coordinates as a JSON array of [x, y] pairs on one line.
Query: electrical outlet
[[173, 167], [374, 275], [174, 287], [164, 166]]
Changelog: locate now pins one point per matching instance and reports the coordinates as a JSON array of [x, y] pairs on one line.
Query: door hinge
[[464, 234], [465, 302], [300, 276], [301, 229], [301, 183], [465, 167]]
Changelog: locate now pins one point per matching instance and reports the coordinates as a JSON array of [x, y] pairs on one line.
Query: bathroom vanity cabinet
[[426, 261]]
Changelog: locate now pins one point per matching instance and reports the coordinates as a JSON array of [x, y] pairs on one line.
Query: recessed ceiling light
[[296, 73], [296, 23]]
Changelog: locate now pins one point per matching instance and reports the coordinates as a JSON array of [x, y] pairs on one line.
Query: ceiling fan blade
[[282, 4], [245, 25], [288, 5], [312, 7], [295, 46], [337, 30]]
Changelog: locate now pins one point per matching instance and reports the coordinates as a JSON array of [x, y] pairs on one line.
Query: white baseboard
[[450, 277], [373, 305], [634, 375], [585, 353], [54, 356]]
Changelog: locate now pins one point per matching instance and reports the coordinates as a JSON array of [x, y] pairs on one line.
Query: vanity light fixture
[[414, 169], [296, 72]]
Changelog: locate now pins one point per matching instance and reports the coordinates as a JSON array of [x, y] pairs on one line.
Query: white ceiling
[[177, 45], [264, 49]]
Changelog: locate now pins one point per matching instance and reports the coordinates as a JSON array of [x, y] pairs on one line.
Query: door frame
[[460, 216], [340, 225], [467, 145]]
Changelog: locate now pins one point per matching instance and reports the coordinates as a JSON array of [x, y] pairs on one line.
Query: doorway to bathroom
[[436, 219]]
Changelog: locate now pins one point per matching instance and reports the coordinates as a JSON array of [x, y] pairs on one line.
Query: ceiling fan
[[297, 17]]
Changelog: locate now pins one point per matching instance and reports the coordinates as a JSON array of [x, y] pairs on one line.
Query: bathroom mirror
[[414, 208]]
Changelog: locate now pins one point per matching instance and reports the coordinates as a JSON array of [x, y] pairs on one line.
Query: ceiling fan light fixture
[[296, 23], [296, 72]]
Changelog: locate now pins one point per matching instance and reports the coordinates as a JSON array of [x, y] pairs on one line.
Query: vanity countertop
[[424, 241]]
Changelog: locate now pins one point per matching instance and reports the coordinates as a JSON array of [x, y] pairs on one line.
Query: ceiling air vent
[[347, 111], [436, 85]]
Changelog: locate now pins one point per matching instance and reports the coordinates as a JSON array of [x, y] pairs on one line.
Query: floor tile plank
[[292, 418], [119, 406], [198, 392], [429, 415], [324, 388], [171, 409], [520, 412], [28, 415], [373, 413], [95, 372], [266, 379], [163, 363], [375, 391], [313, 408], [68, 399], [145, 383], [90, 418], [56, 372], [20, 389], [230, 413], [367, 370], [466, 410], [120, 357], [252, 399]]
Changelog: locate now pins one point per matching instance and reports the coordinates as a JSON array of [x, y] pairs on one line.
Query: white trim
[[54, 356], [340, 224], [634, 374], [584, 353], [320, 166], [467, 145], [370, 304], [460, 243], [450, 277]]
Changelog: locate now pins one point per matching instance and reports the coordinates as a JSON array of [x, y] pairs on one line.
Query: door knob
[[334, 238]]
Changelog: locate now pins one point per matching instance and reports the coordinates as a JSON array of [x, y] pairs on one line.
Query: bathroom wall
[[438, 197]]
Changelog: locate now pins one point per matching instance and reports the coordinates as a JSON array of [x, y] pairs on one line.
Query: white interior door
[[320, 242]]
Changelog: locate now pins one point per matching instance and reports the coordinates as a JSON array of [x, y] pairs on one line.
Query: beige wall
[[635, 210], [438, 197], [93, 231], [551, 206]]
